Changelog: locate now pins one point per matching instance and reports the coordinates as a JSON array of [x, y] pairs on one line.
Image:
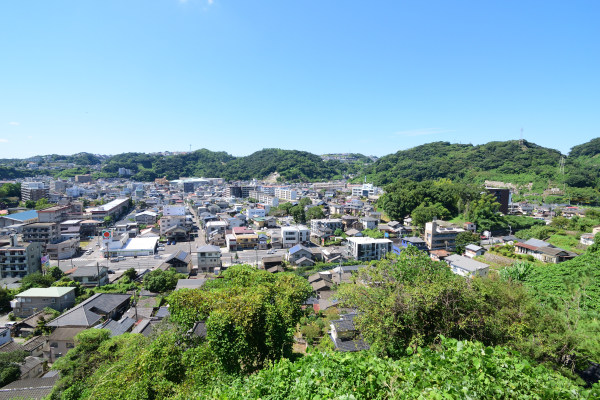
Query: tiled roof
[[32, 388], [90, 311]]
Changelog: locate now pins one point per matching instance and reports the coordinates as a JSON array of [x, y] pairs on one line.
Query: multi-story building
[[238, 191], [439, 237], [264, 198], [286, 194], [209, 258], [34, 191], [255, 212], [365, 190], [63, 250], [245, 238], [19, 259], [320, 227], [54, 214], [367, 249], [87, 178], [33, 300], [42, 232], [293, 235], [503, 197], [112, 209], [58, 186]]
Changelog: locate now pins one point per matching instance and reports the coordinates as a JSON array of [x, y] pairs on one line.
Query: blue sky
[[318, 75]]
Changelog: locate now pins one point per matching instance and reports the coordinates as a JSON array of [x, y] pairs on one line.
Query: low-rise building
[[209, 258], [146, 218], [440, 237], [112, 209], [466, 266], [63, 250], [91, 275], [36, 299], [293, 235], [60, 342], [41, 232]]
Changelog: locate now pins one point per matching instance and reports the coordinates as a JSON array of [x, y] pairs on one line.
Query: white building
[[366, 190], [255, 212], [439, 237], [264, 198], [286, 194], [173, 210], [367, 249], [209, 258], [293, 235], [465, 266]]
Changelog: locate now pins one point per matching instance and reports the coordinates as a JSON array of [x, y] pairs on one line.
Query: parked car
[[272, 251], [116, 259], [157, 256], [173, 242], [121, 258]]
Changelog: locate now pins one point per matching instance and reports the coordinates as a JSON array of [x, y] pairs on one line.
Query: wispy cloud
[[210, 2], [3, 140], [13, 123], [423, 132]]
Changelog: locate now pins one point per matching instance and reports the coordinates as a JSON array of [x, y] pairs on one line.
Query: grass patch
[[569, 243]]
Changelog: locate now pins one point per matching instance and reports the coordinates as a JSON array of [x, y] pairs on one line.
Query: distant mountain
[[511, 161]]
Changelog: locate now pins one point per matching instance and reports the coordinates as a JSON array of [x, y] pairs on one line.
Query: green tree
[[9, 366], [55, 273], [298, 214], [314, 213], [426, 213], [305, 201], [108, 220], [30, 204], [5, 298], [131, 274], [464, 239], [338, 232], [41, 204], [36, 280], [484, 213], [159, 281]]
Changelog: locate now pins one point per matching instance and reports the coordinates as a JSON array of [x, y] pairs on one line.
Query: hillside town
[[96, 234]]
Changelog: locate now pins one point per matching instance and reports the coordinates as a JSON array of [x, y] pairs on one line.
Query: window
[[70, 345], [53, 344]]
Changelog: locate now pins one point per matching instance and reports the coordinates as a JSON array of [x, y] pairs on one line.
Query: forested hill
[[510, 161], [290, 165]]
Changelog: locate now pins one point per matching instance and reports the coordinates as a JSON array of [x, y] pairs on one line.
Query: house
[[146, 218], [298, 252], [190, 283], [465, 266], [32, 367], [369, 222], [472, 250], [587, 239], [367, 249], [181, 261], [35, 346], [293, 235], [345, 335], [417, 242], [63, 250], [91, 275], [26, 326], [60, 342], [543, 251], [470, 226], [36, 299], [439, 255], [97, 308], [116, 328], [5, 335], [209, 258], [30, 388], [272, 261]]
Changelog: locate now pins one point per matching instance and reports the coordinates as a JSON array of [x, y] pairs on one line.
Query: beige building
[[209, 258], [18, 259], [440, 237], [36, 299]]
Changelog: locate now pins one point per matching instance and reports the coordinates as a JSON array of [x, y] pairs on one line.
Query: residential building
[[60, 342], [472, 250], [369, 223], [34, 191], [345, 335], [440, 237], [92, 311], [146, 218], [113, 209], [245, 238], [209, 258], [413, 241], [255, 212], [4, 335], [286, 194], [298, 253], [87, 178], [36, 299], [293, 235], [41, 232], [91, 275], [544, 251], [63, 250], [173, 210], [367, 249], [466, 266], [325, 226], [18, 259], [180, 261], [587, 239], [54, 214], [264, 198]]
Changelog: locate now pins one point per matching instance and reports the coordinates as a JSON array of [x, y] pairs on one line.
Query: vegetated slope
[[292, 165], [509, 160], [576, 280], [583, 165]]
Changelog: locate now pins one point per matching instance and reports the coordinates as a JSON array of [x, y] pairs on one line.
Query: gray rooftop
[[466, 263], [91, 311]]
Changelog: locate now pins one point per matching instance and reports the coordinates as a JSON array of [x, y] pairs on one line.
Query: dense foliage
[[9, 366], [159, 281], [456, 370]]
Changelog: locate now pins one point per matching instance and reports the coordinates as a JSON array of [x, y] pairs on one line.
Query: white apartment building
[[439, 237], [173, 210], [367, 249], [293, 235], [255, 212], [326, 226], [264, 198], [286, 194]]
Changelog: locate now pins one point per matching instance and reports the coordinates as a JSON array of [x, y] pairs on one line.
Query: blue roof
[[296, 248], [23, 216]]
